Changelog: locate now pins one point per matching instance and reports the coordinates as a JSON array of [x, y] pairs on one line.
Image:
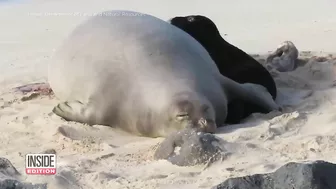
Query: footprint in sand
[[66, 178], [27, 120], [7, 103], [71, 133], [106, 176]]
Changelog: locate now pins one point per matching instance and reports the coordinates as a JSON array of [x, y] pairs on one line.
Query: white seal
[[143, 75]]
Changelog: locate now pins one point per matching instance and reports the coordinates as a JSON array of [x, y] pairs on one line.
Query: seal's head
[[200, 27], [191, 110]]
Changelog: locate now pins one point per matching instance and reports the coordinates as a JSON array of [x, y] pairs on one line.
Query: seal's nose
[[207, 125]]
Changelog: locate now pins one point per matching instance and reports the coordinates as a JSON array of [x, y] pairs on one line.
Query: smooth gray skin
[[139, 73]]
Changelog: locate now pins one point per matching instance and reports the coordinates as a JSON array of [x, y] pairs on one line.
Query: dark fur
[[230, 60]]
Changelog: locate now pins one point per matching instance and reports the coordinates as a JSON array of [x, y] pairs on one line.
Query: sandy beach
[[104, 157]]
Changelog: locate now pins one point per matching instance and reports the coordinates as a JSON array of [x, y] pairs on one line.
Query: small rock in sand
[[194, 148], [6, 168], [49, 151], [314, 175], [9, 177], [284, 58]]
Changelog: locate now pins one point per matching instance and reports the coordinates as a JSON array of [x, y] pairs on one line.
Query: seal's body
[[143, 75], [230, 60]]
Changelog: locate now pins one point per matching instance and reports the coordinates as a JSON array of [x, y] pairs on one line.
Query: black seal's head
[[199, 27]]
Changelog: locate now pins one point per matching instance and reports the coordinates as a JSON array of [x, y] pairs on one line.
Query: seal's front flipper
[[262, 97], [248, 92], [72, 111]]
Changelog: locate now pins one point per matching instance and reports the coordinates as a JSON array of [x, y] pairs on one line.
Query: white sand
[[306, 131]]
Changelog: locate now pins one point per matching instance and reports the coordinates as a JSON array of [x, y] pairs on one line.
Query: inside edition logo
[[40, 164]]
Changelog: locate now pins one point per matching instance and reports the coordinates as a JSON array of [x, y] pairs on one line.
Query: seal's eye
[[182, 116], [190, 18]]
